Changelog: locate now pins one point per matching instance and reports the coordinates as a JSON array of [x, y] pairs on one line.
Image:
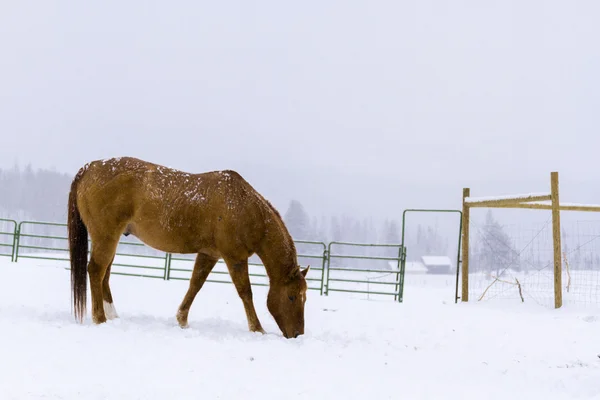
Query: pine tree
[[297, 221], [393, 233], [498, 252]]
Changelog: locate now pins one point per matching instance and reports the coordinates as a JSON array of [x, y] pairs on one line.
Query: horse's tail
[[78, 248]]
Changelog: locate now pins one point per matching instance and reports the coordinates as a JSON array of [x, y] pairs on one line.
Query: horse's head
[[286, 302]]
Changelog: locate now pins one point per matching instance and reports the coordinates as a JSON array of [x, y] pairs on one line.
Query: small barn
[[437, 264], [416, 268]]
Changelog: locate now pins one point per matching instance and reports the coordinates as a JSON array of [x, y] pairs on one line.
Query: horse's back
[[107, 190], [171, 209]]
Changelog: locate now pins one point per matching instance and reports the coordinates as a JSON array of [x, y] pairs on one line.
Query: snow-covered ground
[[425, 348]]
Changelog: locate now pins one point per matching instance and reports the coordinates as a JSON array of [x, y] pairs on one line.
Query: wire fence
[[516, 262]]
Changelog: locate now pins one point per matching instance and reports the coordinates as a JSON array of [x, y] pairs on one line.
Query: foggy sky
[[354, 106]]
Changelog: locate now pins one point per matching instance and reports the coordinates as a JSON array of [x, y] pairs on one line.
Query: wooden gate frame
[[535, 201]]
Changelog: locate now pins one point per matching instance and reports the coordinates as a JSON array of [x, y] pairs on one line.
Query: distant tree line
[[39, 194], [34, 195]]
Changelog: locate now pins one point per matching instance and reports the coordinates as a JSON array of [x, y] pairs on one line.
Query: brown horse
[[214, 215]]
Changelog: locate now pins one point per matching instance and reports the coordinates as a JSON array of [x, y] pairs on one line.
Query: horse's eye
[[292, 298]]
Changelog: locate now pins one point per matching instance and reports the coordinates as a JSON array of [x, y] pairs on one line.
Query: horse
[[215, 215]]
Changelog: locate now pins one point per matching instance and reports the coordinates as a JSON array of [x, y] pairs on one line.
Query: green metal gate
[[388, 281], [8, 237]]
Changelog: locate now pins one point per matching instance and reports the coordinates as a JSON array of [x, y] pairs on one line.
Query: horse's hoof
[[260, 330], [183, 324], [182, 321]]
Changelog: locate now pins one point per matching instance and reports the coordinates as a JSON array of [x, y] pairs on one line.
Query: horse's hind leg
[[239, 275], [202, 267], [103, 252], [109, 307]]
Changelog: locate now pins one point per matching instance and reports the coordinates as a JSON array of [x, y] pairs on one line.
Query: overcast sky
[[378, 105]]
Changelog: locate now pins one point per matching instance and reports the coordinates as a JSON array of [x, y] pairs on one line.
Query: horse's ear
[[305, 271]]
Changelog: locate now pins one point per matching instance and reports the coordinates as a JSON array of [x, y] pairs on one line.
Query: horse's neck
[[278, 253]]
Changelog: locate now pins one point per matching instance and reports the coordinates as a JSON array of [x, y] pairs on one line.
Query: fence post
[[556, 240], [465, 246], [323, 266], [167, 275], [458, 259], [397, 295], [14, 243], [402, 273], [328, 266], [17, 241]]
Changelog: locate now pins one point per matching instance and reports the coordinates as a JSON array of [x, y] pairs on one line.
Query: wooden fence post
[[465, 246], [556, 240]]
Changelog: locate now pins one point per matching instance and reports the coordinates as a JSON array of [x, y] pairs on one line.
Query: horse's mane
[[279, 219], [274, 210], [281, 222]]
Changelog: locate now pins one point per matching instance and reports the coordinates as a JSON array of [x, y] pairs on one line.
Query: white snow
[[425, 348]]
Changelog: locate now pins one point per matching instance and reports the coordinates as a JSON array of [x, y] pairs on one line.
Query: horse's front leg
[[202, 267], [239, 275]]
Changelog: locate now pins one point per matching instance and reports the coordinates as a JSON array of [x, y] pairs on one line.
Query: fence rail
[[336, 269]]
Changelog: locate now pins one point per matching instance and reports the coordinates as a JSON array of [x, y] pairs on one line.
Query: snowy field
[[425, 348]]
